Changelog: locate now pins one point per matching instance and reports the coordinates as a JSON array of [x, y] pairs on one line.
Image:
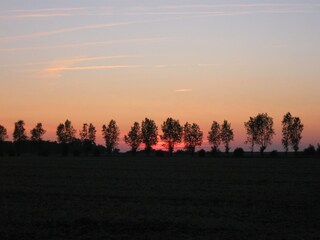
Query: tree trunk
[[227, 148], [171, 151]]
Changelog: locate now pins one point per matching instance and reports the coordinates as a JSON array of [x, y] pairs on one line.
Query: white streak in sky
[[183, 90], [57, 67], [93, 67]]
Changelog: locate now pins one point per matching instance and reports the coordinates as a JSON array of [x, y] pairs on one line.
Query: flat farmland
[[159, 198]]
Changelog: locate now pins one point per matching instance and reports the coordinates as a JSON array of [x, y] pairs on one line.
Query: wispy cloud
[[203, 14], [186, 65], [35, 16], [91, 67], [233, 5], [180, 12], [74, 29], [54, 12], [38, 13], [183, 90], [63, 30], [55, 69], [157, 10], [68, 60], [40, 10], [88, 44], [204, 10], [171, 65]]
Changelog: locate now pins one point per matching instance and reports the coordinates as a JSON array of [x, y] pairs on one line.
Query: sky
[[193, 60]]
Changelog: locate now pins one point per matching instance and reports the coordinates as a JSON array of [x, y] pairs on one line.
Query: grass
[[160, 198]]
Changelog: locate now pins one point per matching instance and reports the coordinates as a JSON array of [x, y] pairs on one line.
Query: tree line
[[259, 130]]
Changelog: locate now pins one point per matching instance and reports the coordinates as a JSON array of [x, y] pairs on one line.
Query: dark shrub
[[309, 151], [116, 151], [318, 149], [76, 153], [215, 151], [179, 152], [11, 152], [44, 153], [274, 153], [201, 153], [97, 152], [160, 153], [238, 152], [65, 149]]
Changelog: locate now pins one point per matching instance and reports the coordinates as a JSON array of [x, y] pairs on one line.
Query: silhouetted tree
[[192, 136], [3, 133], [37, 133], [88, 133], [92, 134], [84, 133], [66, 135], [226, 135], [3, 137], [87, 137], [111, 135], [265, 131], [172, 133], [149, 132], [286, 129], [19, 134], [296, 133], [252, 133], [214, 136], [134, 137], [66, 132]]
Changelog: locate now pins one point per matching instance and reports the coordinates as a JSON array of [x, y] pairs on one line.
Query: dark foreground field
[[125, 198]]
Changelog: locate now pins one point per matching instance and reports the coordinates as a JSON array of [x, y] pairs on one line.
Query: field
[[159, 198]]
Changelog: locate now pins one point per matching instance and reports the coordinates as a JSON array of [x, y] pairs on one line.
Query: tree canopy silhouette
[[134, 137], [259, 131], [111, 135], [3, 133], [149, 131], [226, 135], [37, 133], [87, 137], [264, 131], [3, 137], [296, 133], [172, 133], [214, 136], [291, 132], [66, 132], [88, 133], [252, 132], [19, 133], [192, 136]]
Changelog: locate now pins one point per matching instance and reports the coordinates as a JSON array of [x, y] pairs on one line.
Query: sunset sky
[[194, 60]]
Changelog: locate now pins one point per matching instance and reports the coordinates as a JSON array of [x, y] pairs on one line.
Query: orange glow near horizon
[[310, 134], [127, 60]]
